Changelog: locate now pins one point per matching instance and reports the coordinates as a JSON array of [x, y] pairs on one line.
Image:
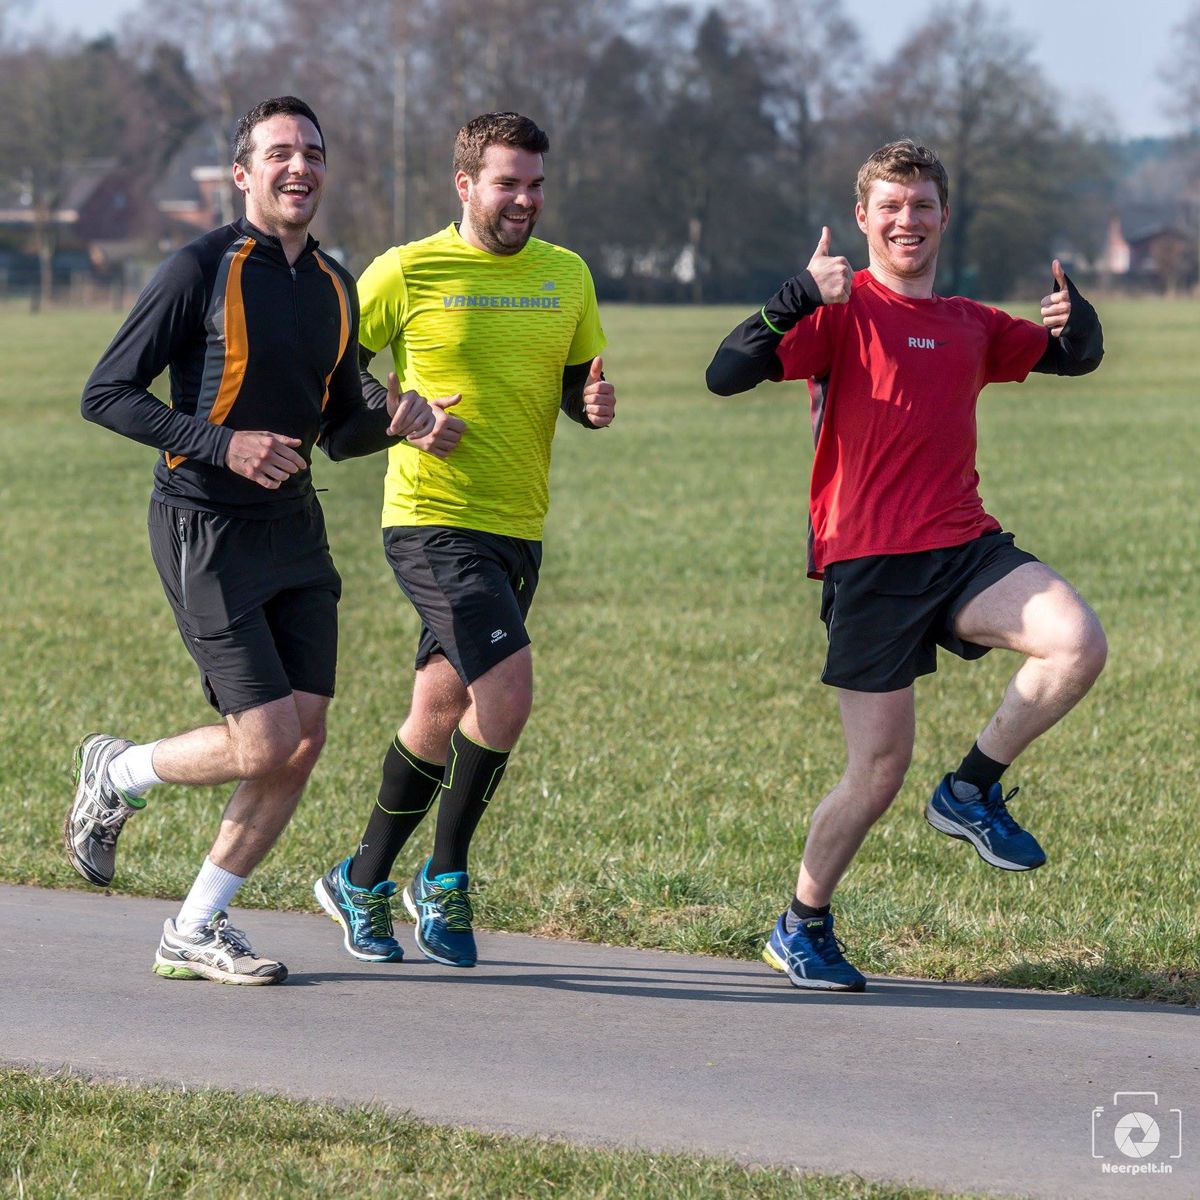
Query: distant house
[[192, 196], [97, 221], [1150, 248]]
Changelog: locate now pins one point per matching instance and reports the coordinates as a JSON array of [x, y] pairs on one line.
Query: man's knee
[[876, 781], [503, 698], [1080, 646], [278, 736], [263, 755]]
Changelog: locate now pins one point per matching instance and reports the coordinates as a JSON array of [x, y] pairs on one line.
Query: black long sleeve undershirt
[[747, 356], [574, 380]]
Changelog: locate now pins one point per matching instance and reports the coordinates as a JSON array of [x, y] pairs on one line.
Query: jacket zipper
[[183, 563]]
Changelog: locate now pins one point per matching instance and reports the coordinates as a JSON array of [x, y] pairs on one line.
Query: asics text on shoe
[[365, 914], [99, 810], [442, 911], [218, 952], [812, 957], [986, 823]]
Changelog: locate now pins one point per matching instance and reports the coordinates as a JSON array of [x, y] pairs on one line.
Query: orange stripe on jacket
[[344, 334], [237, 346]]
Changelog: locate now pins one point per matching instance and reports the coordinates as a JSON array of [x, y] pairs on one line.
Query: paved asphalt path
[[952, 1087]]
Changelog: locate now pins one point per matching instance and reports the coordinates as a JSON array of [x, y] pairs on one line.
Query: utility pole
[[399, 125]]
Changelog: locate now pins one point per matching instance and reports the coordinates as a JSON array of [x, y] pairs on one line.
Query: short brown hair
[[903, 162], [264, 110], [495, 129]]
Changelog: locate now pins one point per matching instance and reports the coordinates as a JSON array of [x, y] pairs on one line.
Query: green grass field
[[65, 1137], [680, 736]]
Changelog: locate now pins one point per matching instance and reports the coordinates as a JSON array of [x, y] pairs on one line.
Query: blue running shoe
[[812, 957], [984, 821], [365, 914], [442, 910]]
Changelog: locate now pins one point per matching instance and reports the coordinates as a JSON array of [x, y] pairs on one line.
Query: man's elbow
[[724, 379], [718, 384], [94, 402]]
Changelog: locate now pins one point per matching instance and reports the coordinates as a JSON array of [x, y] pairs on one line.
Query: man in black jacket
[[259, 330]]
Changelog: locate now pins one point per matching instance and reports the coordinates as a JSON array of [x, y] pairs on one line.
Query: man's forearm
[[748, 355], [134, 413], [574, 380]]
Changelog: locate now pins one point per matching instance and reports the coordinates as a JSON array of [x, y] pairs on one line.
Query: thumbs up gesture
[[832, 275], [1056, 307], [599, 397]]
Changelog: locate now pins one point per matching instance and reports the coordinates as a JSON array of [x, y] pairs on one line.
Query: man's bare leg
[[879, 728], [260, 808], [1035, 612]]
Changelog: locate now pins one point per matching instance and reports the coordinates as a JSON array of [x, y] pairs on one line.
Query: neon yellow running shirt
[[499, 329]]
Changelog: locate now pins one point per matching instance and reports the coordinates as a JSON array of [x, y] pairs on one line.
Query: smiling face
[[501, 205], [284, 175], [904, 224]]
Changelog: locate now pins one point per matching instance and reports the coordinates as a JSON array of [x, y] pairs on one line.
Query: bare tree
[[1181, 72], [228, 48], [813, 62], [965, 83]]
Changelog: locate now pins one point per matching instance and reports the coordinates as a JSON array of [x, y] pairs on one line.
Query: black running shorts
[[472, 591], [886, 614], [255, 601]]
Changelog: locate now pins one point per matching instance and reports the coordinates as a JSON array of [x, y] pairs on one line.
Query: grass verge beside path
[[65, 1136], [680, 737]]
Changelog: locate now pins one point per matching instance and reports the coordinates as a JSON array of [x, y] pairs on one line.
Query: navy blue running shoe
[[365, 914], [442, 910], [985, 822], [812, 957]]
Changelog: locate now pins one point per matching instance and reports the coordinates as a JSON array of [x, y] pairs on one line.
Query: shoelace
[[998, 810], [235, 939], [830, 949], [377, 909], [455, 907], [111, 823]]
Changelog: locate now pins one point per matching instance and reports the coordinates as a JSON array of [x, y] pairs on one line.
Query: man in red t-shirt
[[908, 557]]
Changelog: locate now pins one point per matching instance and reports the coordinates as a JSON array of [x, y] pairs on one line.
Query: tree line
[[695, 152]]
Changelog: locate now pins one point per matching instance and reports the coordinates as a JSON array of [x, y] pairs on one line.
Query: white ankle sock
[[213, 889], [133, 770]]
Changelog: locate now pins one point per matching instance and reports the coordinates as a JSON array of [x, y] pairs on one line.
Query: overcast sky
[[1109, 50]]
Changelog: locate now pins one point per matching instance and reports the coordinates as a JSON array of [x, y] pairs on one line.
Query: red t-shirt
[[894, 383]]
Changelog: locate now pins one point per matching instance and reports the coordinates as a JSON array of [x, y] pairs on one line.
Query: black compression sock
[[473, 772], [979, 770], [408, 789], [798, 911]]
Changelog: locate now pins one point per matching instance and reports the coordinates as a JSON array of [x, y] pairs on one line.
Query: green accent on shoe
[[137, 803], [170, 972]]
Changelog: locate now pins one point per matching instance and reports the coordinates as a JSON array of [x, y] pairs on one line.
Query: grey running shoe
[[218, 952], [99, 811]]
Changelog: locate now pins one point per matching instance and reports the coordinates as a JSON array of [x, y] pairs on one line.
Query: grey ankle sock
[[965, 791]]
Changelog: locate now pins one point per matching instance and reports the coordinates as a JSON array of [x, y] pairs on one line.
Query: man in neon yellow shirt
[[506, 326]]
